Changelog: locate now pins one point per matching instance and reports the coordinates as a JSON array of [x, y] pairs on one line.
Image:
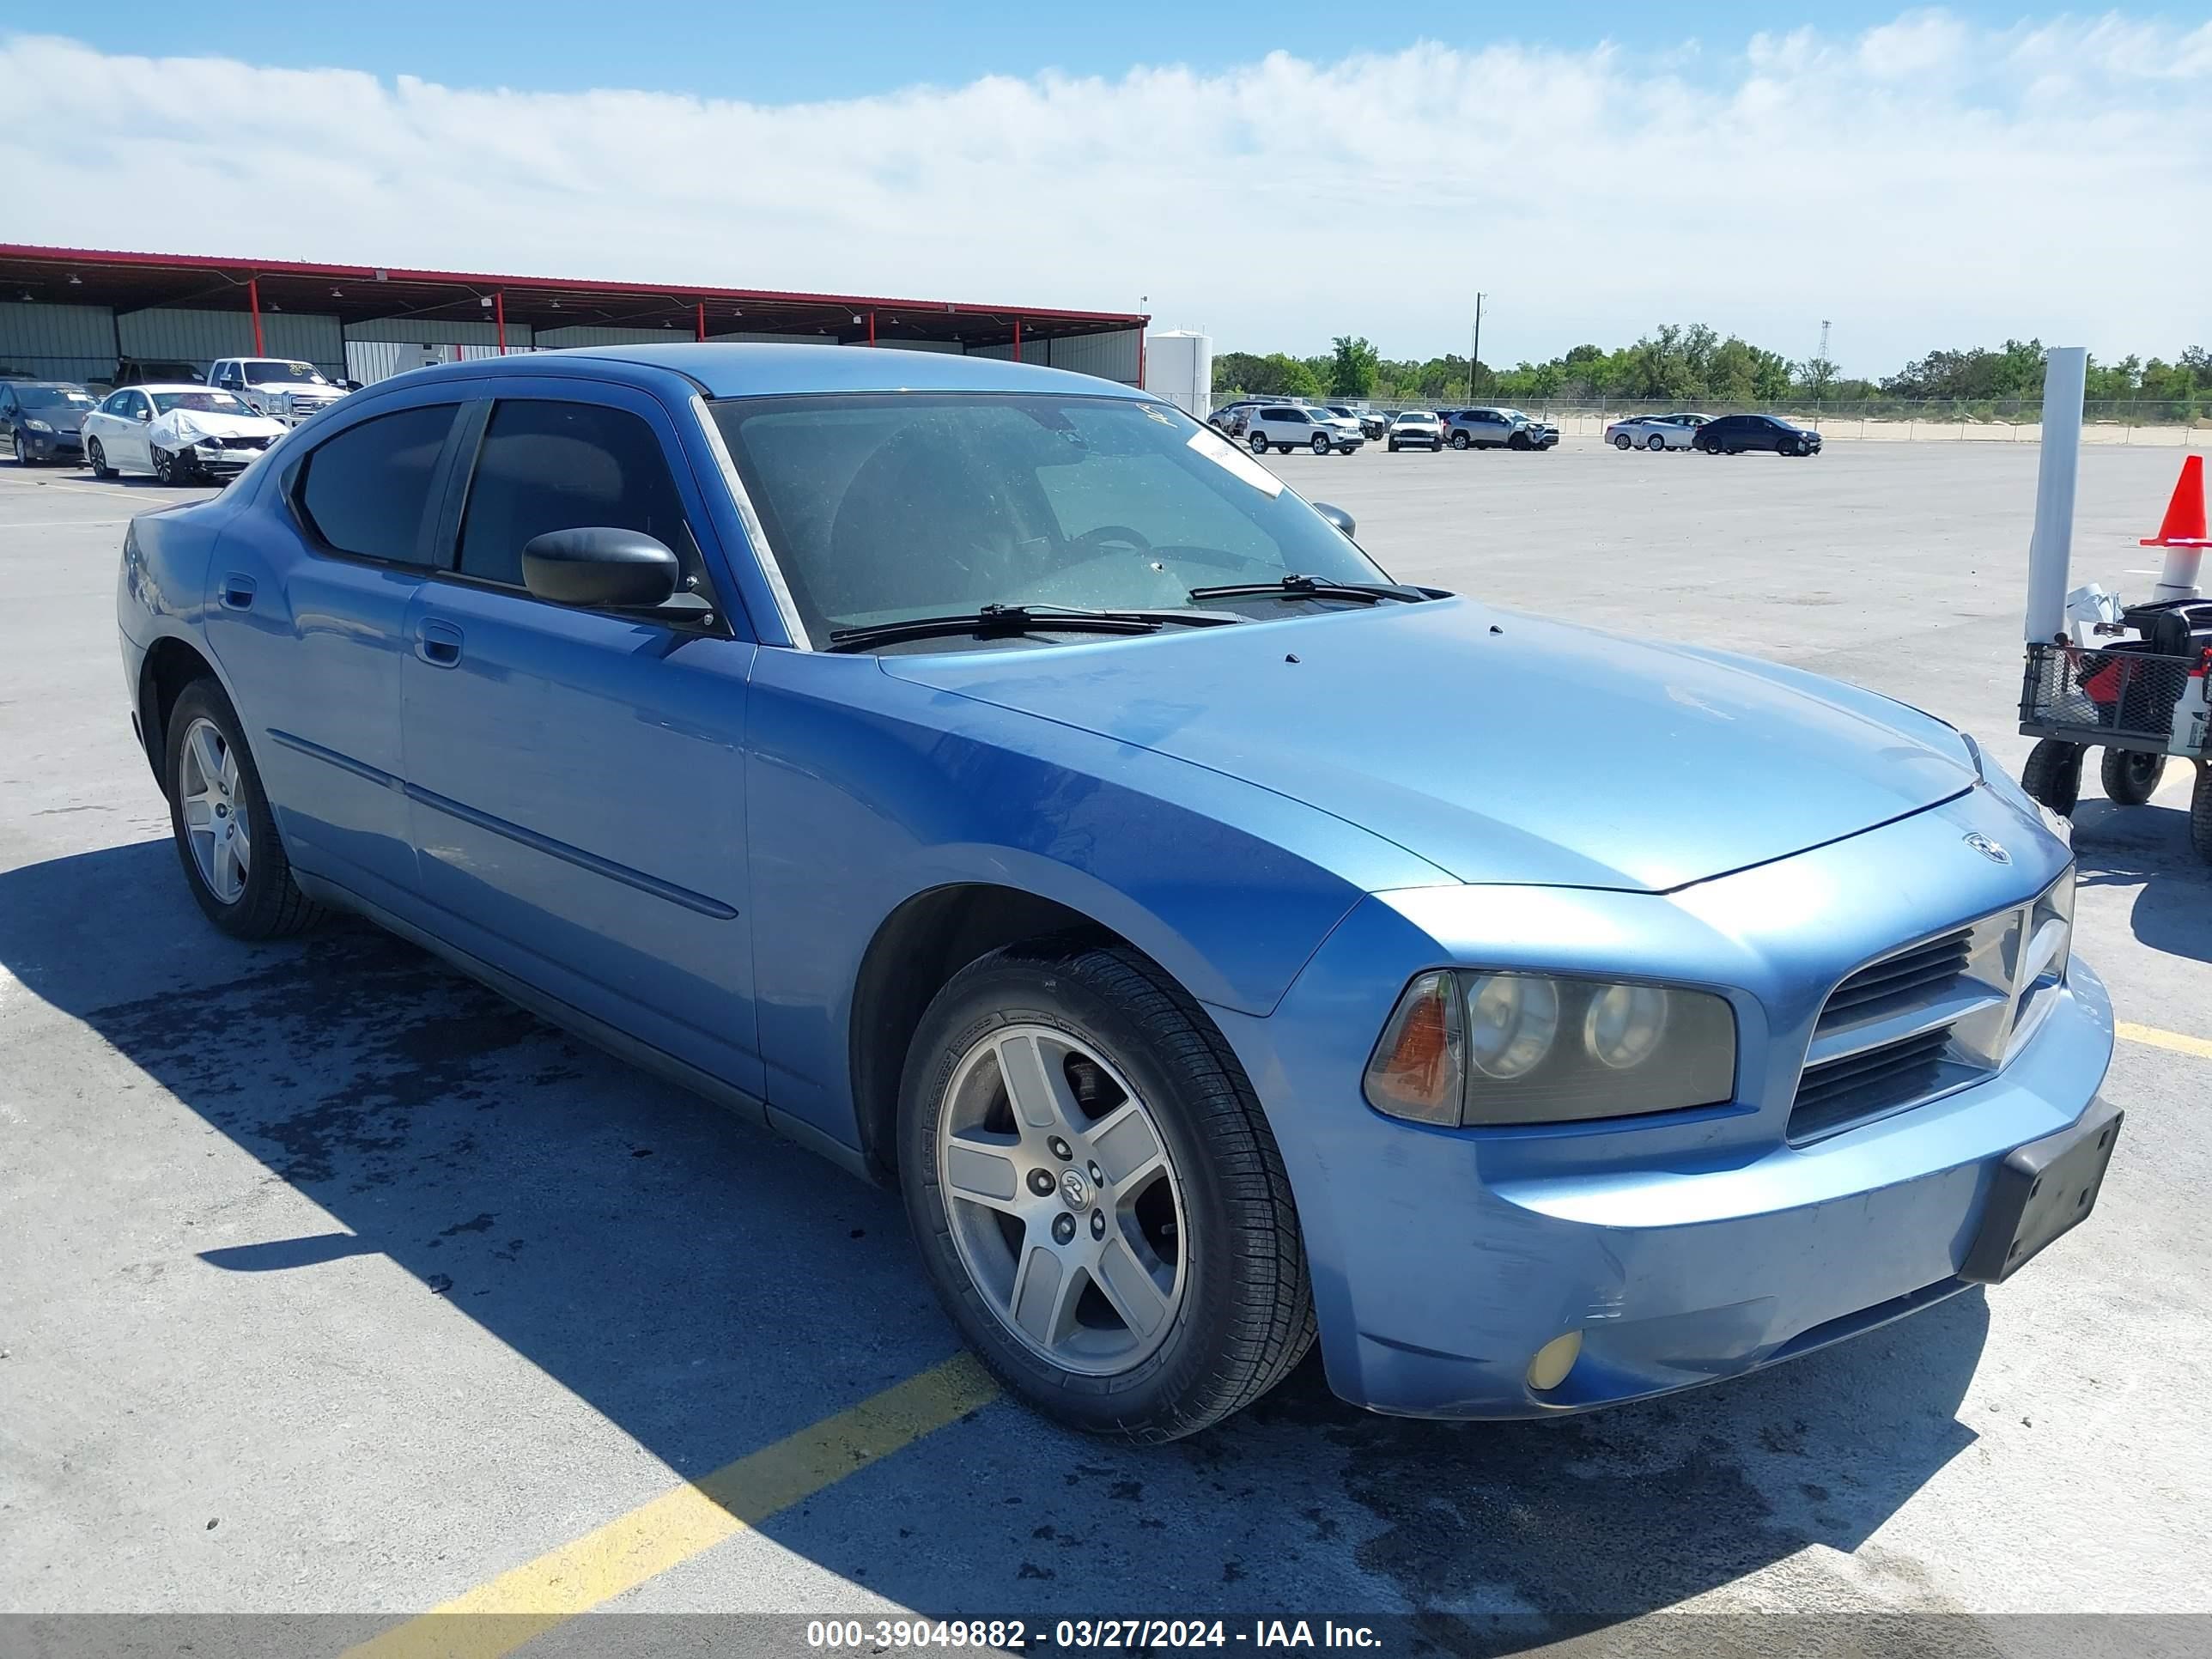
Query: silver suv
[[1297, 426]]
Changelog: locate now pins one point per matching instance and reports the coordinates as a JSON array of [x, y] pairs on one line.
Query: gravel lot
[[329, 1282]]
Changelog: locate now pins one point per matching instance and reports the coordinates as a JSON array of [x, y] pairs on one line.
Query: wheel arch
[[171, 664], [916, 951]]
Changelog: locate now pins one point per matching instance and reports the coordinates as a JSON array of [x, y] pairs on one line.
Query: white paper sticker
[[1234, 461]]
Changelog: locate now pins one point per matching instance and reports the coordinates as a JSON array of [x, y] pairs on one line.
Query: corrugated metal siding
[[770, 339], [371, 361], [554, 338], [952, 346], [1110, 356], [416, 330], [1033, 351], [58, 343], [201, 336]]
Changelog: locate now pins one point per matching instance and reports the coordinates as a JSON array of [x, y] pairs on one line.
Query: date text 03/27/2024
[[1140, 1635]]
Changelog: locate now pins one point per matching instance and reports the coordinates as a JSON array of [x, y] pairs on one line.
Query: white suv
[[1295, 426], [283, 388]]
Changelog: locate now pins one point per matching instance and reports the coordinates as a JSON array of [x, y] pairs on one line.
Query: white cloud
[[1929, 182]]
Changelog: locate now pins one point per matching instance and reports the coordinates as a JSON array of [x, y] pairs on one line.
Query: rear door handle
[[238, 592], [438, 644]]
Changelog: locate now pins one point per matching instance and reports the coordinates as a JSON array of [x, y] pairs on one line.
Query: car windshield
[[1416, 415], [883, 507], [1510, 415], [204, 403], [268, 372], [52, 397]]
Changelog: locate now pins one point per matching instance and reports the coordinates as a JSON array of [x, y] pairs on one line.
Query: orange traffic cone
[[2183, 526]]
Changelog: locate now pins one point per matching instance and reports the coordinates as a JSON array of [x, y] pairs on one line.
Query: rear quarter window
[[366, 490]]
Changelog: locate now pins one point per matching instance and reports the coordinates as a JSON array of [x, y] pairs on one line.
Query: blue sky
[[1923, 177], [787, 52]]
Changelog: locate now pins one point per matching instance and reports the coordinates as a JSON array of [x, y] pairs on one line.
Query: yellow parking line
[[526, 1602], [2153, 1037]]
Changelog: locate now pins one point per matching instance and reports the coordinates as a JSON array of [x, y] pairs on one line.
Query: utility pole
[[1476, 356], [1824, 339]]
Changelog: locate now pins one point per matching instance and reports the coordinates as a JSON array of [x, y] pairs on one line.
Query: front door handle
[[237, 591], [438, 644]]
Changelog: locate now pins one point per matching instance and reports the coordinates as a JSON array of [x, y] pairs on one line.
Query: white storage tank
[[1179, 366]]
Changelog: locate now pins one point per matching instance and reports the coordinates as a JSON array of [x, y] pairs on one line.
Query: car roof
[[61, 386], [168, 385], [734, 370]]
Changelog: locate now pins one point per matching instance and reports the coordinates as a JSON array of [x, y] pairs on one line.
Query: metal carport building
[[70, 313]]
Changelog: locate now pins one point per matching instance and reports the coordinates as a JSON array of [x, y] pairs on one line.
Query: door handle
[[237, 591], [438, 644]]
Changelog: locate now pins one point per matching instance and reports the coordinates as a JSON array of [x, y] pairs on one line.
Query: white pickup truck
[[283, 388]]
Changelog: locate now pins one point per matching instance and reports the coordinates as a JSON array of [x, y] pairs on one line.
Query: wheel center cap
[[1074, 1190]]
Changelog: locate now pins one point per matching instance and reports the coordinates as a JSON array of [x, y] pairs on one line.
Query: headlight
[[1465, 1047], [36, 425]]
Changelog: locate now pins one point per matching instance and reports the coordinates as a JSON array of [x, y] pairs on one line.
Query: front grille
[[244, 443], [1933, 1016]]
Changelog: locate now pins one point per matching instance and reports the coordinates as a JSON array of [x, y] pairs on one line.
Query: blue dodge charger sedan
[[998, 782]]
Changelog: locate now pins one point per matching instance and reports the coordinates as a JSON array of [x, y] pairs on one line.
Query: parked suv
[[1497, 429], [1295, 426], [39, 420], [1415, 428], [1732, 435], [1371, 423], [283, 388]]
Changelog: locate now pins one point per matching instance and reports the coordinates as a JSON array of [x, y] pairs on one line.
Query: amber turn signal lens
[[1416, 1071]]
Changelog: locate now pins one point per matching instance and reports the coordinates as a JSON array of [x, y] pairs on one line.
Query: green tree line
[[1691, 363]]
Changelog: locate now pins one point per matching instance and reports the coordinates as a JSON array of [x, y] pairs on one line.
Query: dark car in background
[[1732, 435], [39, 420]]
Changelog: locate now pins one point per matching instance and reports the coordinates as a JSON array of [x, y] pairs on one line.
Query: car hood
[[179, 427], [62, 417], [304, 391], [1499, 747]]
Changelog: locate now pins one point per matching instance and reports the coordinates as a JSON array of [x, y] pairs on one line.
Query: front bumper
[[52, 446], [1683, 1249]]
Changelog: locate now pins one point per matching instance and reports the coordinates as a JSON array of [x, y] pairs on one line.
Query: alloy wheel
[[215, 812], [1064, 1204]]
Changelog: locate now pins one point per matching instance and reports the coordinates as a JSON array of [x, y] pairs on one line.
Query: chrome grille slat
[[1932, 1016]]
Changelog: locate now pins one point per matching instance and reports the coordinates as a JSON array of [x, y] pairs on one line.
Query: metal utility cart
[[2135, 686]]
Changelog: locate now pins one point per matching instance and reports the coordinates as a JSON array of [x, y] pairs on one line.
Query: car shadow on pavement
[[709, 1288], [2147, 847]]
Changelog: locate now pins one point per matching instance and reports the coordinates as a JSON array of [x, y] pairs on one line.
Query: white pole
[[2050, 550]]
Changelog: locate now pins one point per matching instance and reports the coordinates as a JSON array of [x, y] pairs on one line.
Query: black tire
[[2129, 777], [1246, 1316], [23, 451], [1259, 443], [271, 904], [1518, 440], [1320, 444], [2200, 814], [98, 457], [1622, 440], [1460, 441], [2053, 774], [1393, 447], [165, 466], [1655, 441]]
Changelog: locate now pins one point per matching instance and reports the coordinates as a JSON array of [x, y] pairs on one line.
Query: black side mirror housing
[[600, 567], [1337, 516]]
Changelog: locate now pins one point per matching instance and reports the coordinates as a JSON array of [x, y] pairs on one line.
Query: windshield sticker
[[1154, 412], [1234, 461]]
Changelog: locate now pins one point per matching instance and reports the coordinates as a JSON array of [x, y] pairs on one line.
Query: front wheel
[[226, 836], [1099, 1202], [23, 451], [2129, 777], [1320, 444], [2053, 774], [165, 467], [98, 457]]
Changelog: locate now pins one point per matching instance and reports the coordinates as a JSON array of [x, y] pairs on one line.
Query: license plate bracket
[[2041, 1191]]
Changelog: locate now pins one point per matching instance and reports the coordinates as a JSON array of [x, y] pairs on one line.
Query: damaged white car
[[179, 433]]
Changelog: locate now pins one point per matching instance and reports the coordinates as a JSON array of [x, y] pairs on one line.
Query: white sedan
[[1656, 431], [179, 433]]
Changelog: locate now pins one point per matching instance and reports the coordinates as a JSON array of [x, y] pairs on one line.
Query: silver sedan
[[1655, 431]]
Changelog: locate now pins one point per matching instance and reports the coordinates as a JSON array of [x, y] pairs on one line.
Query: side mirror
[[141, 415], [1337, 516], [603, 568]]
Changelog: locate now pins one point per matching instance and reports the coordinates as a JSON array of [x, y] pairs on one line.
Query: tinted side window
[[547, 466], [365, 491]]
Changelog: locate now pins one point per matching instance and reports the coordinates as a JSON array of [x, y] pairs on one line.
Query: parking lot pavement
[[334, 1283]]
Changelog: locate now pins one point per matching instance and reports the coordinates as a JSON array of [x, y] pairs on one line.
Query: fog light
[[1554, 1360]]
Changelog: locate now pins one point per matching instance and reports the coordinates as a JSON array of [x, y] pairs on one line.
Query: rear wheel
[[1655, 441], [2131, 777], [1099, 1200], [226, 837], [1622, 440], [1460, 441], [1259, 443], [2053, 774], [98, 457]]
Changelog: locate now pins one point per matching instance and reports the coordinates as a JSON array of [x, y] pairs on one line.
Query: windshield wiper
[[1306, 587], [995, 620]]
